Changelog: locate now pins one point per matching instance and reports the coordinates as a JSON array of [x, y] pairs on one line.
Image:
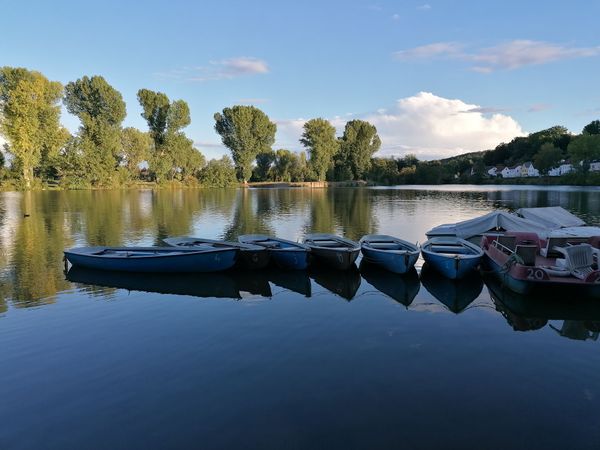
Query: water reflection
[[35, 227], [456, 295], [293, 280], [402, 288], [213, 285], [580, 317], [344, 283]]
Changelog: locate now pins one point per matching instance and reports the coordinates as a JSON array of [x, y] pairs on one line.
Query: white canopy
[[496, 220], [552, 217]]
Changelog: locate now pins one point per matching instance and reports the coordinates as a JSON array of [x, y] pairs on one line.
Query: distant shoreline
[[541, 181]]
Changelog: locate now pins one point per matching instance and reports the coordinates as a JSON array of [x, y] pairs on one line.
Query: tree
[[547, 157], [288, 166], [30, 118], [246, 131], [320, 141], [264, 161], [101, 110], [357, 145], [585, 148], [173, 154], [218, 173], [135, 149], [592, 128]]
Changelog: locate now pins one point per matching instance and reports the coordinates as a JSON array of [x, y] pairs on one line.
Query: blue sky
[[436, 77]]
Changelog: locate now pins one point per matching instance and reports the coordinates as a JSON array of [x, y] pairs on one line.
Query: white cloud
[[395, 16], [429, 51], [430, 126], [224, 69], [506, 56], [537, 107], [436, 127], [425, 7]]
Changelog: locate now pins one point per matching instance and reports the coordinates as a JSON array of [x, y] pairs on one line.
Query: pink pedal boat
[[523, 262]]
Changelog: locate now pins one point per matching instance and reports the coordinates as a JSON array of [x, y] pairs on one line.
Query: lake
[[283, 360]]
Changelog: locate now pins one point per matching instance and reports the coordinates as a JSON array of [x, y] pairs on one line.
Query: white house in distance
[[527, 170], [511, 172], [564, 168]]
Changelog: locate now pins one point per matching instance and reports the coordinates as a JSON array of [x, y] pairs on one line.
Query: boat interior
[[560, 256]]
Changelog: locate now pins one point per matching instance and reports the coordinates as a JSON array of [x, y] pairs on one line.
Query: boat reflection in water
[[292, 280], [401, 287], [205, 285], [344, 283], [580, 317], [456, 295]]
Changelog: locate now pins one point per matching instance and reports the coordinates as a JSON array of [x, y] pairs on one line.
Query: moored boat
[[523, 262], [452, 257], [333, 251], [153, 259], [286, 254], [389, 252], [249, 257]]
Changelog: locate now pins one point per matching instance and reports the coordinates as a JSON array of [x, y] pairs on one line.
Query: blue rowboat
[[153, 259], [333, 251], [389, 252], [249, 257], [286, 254], [451, 256]]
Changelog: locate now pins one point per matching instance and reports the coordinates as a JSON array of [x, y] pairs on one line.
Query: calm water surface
[[276, 360]]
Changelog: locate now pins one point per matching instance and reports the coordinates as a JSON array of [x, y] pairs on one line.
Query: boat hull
[[285, 254], [452, 257], [335, 258], [162, 262], [250, 257], [400, 263], [290, 258]]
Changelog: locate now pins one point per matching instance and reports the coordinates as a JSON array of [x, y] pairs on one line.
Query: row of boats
[[253, 251], [525, 254]]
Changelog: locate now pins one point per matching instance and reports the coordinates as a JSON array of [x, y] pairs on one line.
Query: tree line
[[103, 153], [547, 149]]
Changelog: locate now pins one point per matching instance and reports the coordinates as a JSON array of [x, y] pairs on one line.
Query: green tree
[[135, 149], [218, 173], [264, 161], [592, 128], [246, 131], [173, 153], [320, 141], [101, 110], [357, 145], [288, 166], [185, 160], [30, 119], [383, 171], [547, 157], [585, 148]]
